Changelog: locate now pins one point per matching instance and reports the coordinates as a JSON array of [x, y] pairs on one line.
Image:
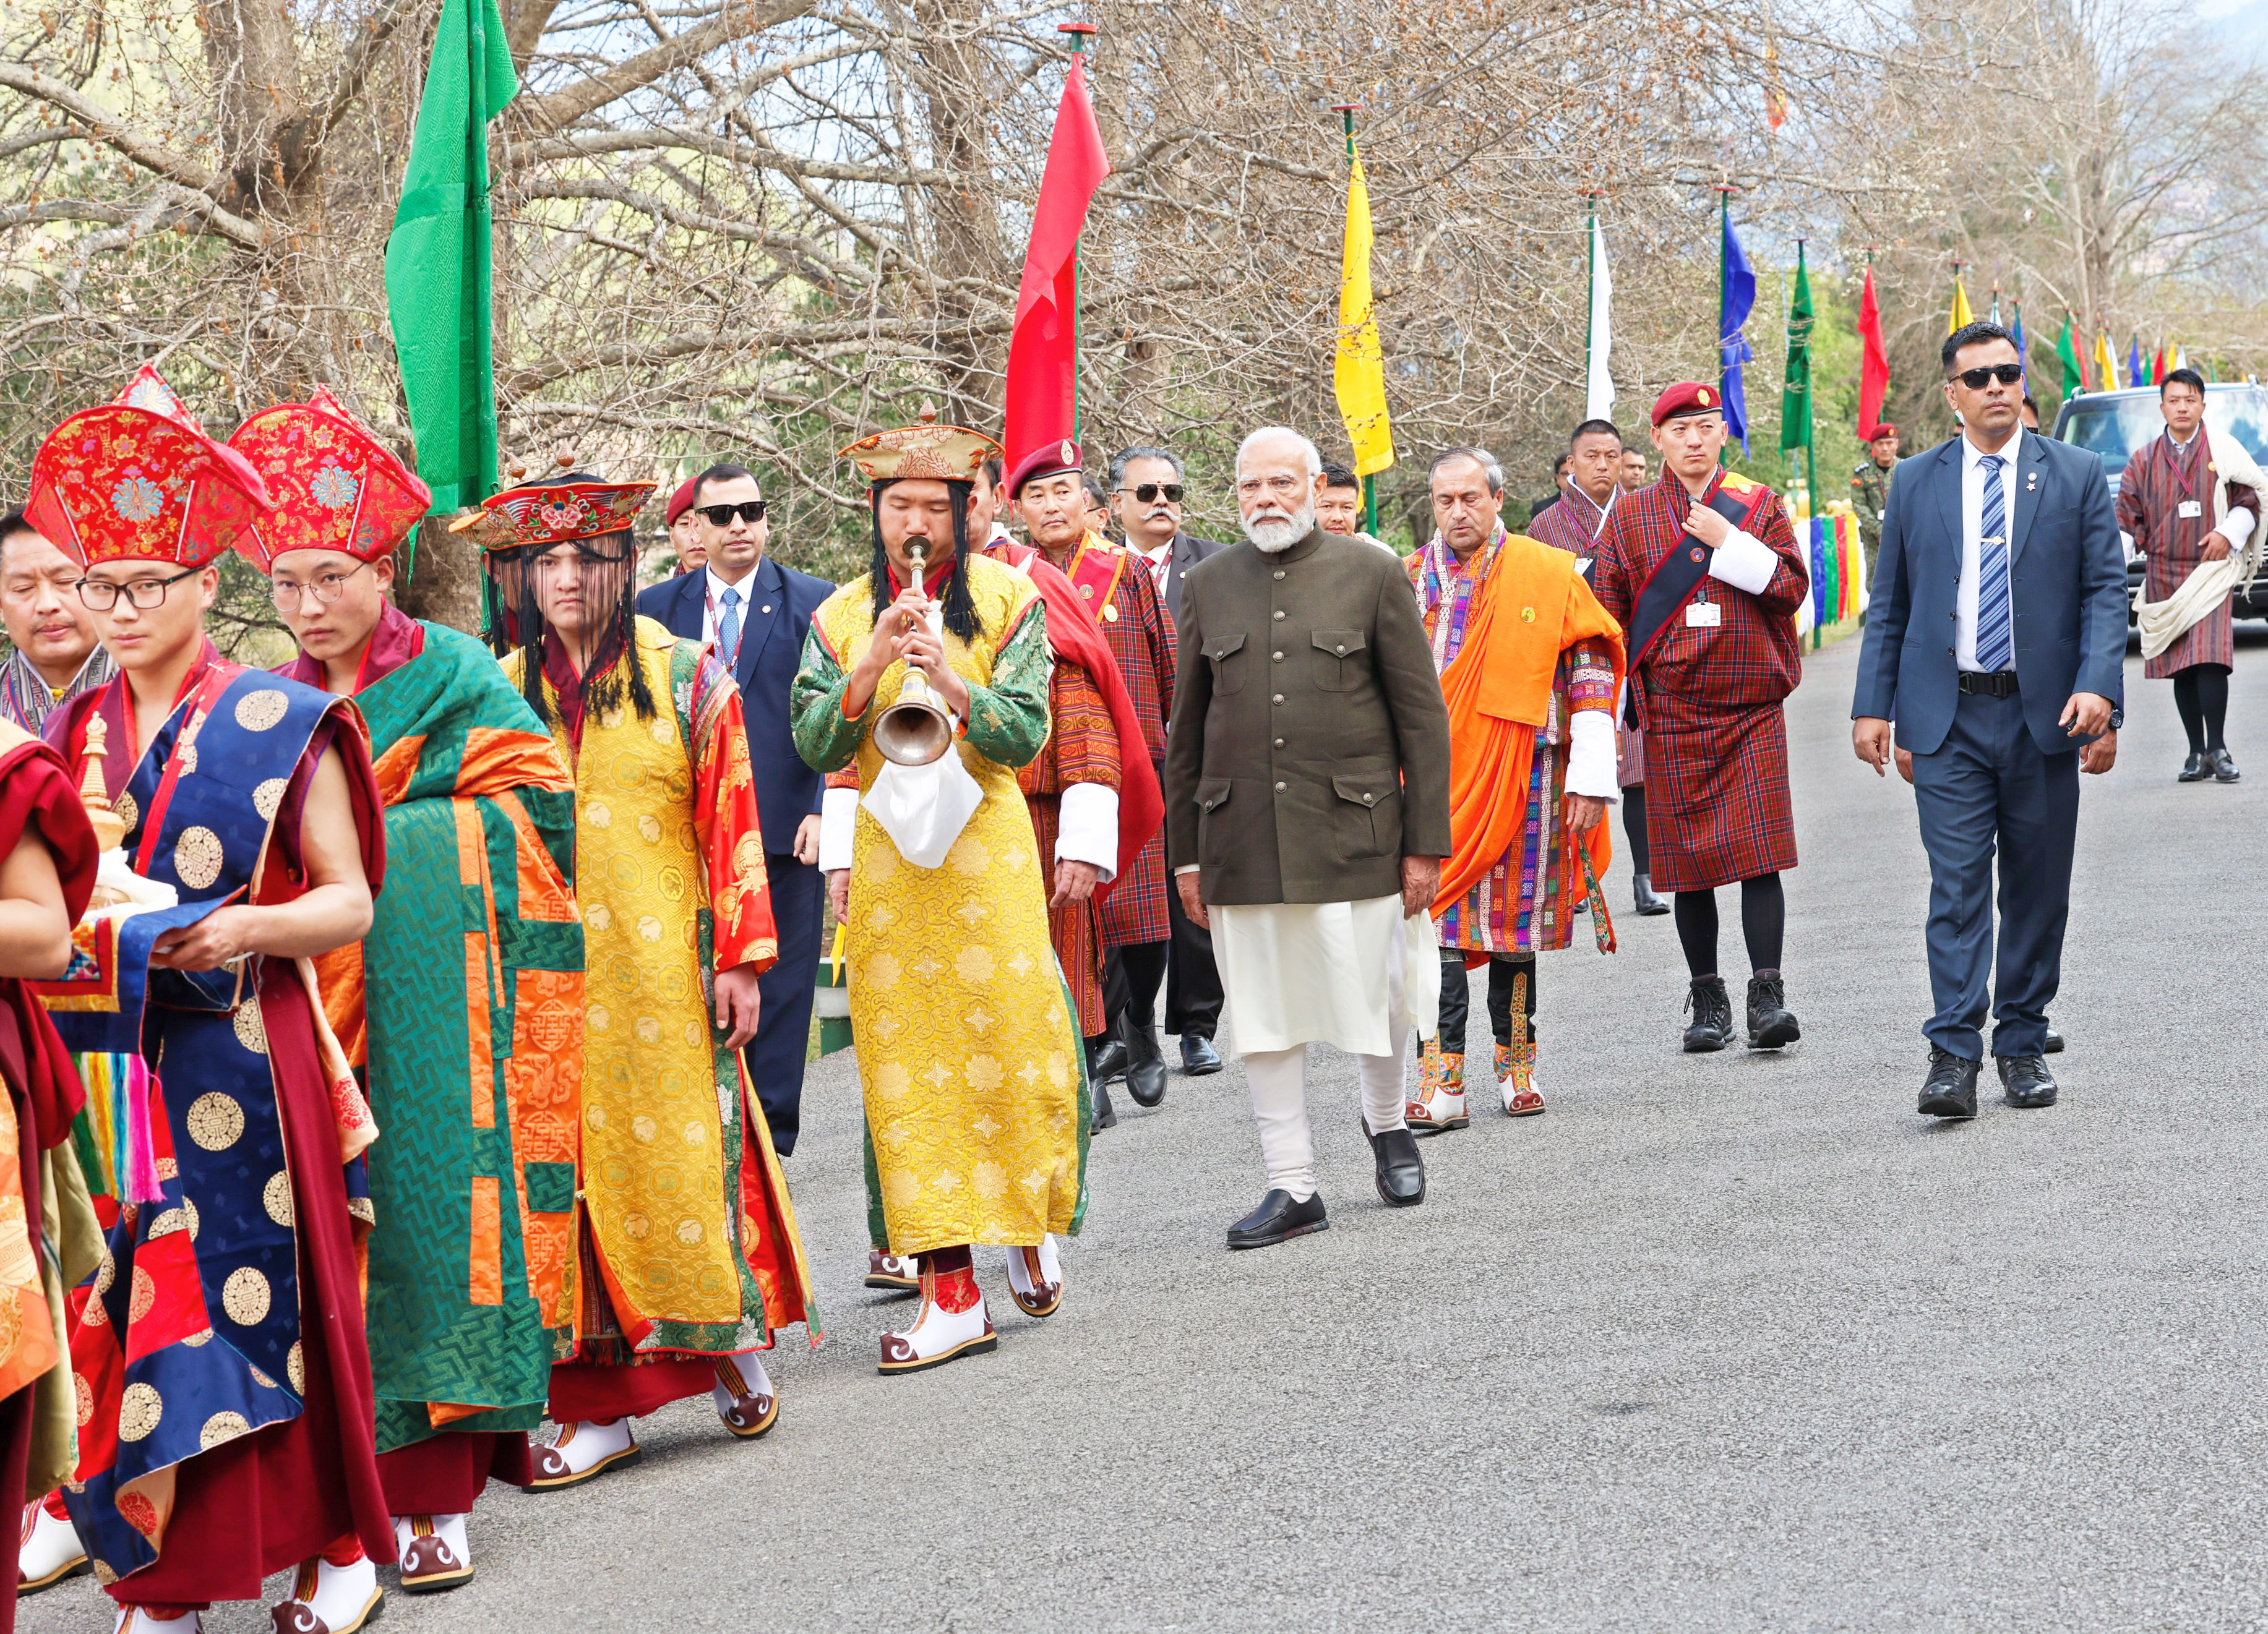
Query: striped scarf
[[26, 698], [1445, 592]]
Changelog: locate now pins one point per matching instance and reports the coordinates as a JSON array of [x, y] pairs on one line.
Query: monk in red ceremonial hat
[[225, 1429], [1702, 572]]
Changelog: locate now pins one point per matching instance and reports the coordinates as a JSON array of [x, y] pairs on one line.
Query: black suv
[[2114, 424]]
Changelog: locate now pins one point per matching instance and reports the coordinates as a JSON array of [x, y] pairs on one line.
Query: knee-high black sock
[[1506, 983], [2192, 711], [2212, 702], [1696, 930], [1764, 920], [1634, 827]]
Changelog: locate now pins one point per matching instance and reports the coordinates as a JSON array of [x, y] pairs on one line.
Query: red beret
[[1688, 397], [1043, 462], [1883, 428], [680, 501]]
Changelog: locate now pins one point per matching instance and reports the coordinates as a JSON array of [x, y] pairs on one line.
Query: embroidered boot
[[1035, 1280], [1438, 1106], [434, 1551], [329, 1598], [582, 1453], [744, 1397], [953, 1323], [48, 1550]]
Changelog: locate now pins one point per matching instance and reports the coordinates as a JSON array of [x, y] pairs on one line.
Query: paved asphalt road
[[1721, 1342]]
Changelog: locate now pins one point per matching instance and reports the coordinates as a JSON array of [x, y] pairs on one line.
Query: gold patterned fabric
[[967, 1047]]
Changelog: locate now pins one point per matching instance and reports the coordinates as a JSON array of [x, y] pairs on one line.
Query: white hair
[[1308, 453]]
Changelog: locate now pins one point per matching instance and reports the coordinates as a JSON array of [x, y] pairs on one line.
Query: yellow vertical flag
[[1359, 373], [1960, 312], [2106, 366]]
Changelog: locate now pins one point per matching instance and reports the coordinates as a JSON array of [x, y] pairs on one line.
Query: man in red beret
[[1702, 572], [684, 524], [1117, 589], [1870, 484]]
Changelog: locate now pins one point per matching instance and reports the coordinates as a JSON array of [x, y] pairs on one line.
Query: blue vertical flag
[[2023, 356], [2136, 374], [1736, 295]]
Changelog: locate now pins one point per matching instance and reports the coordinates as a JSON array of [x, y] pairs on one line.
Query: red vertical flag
[[1043, 347], [1874, 361]]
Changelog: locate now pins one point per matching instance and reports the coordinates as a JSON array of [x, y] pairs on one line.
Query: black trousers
[[1192, 979], [1456, 998], [1131, 976]]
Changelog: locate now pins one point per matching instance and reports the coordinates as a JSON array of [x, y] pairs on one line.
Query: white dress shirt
[[1972, 526], [714, 589], [1159, 560]]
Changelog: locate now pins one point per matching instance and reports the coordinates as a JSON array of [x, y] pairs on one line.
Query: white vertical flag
[[1599, 393]]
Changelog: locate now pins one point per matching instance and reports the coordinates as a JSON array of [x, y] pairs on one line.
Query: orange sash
[[1532, 607]]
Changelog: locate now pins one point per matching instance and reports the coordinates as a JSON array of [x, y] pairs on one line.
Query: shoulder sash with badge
[[1096, 573], [1679, 576]]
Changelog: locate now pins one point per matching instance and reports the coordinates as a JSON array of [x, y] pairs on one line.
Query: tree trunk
[[444, 585]]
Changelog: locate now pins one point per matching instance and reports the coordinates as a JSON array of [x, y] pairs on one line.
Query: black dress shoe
[[2024, 1081], [1146, 1070], [2194, 769], [1950, 1089], [1276, 1218], [1198, 1056], [1712, 1016], [1105, 1115], [1106, 1060], [1649, 900], [1401, 1171], [2054, 1046], [1771, 1025], [2224, 769]]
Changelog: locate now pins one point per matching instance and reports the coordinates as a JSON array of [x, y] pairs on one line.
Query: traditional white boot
[[434, 1553], [134, 1620], [898, 1274], [1036, 1277], [744, 1397], [939, 1335], [48, 1552], [1438, 1106], [326, 1599], [582, 1452]]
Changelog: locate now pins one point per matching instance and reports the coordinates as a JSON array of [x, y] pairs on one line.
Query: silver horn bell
[[917, 730]]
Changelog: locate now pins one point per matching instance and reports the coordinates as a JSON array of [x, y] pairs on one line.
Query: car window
[[2242, 415], [2113, 428]]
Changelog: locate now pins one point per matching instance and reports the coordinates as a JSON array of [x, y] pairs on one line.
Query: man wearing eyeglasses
[[469, 768], [1146, 487], [56, 656], [2010, 539], [753, 610]]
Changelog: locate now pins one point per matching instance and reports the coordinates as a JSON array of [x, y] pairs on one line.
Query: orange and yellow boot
[[1438, 1106]]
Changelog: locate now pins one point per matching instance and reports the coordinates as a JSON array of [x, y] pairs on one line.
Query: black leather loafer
[[1950, 1089], [1198, 1056], [2224, 769], [1107, 1060], [2025, 1081], [1276, 1218], [1401, 1171], [2194, 769], [2054, 1046]]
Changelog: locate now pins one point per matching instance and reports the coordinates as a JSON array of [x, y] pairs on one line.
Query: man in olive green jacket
[[1306, 815]]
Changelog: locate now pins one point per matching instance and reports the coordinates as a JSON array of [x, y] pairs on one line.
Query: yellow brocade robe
[[695, 1239], [968, 1051]]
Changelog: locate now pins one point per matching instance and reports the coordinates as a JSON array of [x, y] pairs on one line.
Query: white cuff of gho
[[1089, 830], [2236, 527], [838, 828], [1591, 756], [1185, 868], [1745, 563]]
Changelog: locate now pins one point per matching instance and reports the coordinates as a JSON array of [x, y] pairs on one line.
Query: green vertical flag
[[1795, 396], [2074, 377], [436, 258]]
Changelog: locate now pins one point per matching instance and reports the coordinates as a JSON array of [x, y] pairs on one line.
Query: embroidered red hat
[[1883, 428], [1686, 398], [138, 480], [543, 515], [1044, 462], [680, 501], [336, 484]]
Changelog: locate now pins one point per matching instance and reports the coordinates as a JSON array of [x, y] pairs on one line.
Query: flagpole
[[1346, 113], [1080, 34]]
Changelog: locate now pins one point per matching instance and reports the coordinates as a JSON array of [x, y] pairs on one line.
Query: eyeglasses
[[1279, 483], [2006, 373], [1148, 492], [101, 595], [327, 590], [721, 516]]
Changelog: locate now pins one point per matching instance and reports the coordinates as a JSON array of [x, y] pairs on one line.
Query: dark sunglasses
[[2006, 373], [721, 516], [1148, 492]]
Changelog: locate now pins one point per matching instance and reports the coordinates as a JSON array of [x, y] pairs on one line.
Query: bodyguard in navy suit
[[1996, 639], [757, 610]]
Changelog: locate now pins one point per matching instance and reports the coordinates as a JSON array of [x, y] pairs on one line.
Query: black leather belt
[[2002, 683]]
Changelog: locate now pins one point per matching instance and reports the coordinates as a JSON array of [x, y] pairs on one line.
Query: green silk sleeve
[[823, 736], [1008, 720]]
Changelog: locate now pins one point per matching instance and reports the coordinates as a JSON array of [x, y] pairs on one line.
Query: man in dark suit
[[754, 611], [1147, 489], [2008, 537]]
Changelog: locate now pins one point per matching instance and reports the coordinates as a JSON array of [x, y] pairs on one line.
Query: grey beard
[[1275, 535]]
